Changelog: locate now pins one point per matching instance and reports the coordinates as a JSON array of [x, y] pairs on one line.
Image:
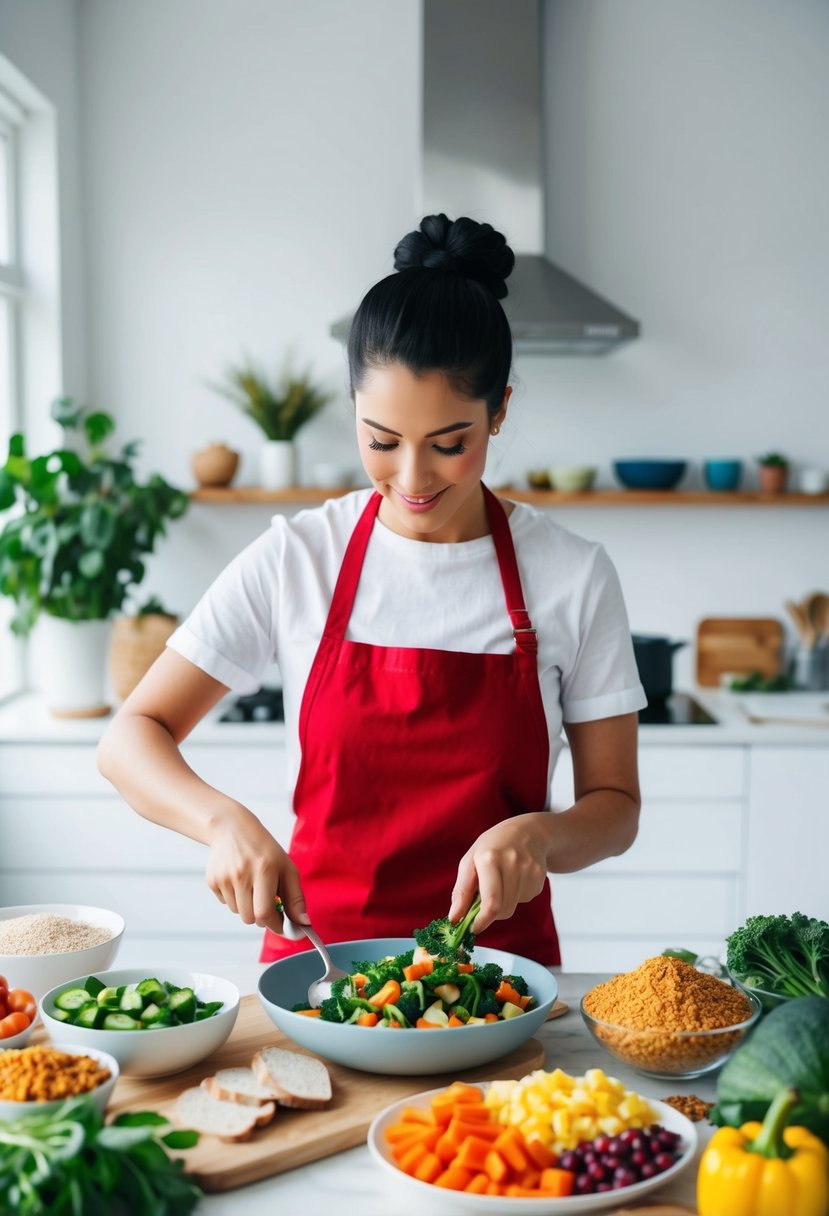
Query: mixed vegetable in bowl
[[432, 986]]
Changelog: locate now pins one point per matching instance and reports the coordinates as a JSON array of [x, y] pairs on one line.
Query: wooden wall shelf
[[300, 495]]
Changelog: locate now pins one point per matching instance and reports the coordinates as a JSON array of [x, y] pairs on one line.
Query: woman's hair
[[440, 311]]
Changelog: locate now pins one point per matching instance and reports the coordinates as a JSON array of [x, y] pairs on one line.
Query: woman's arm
[[139, 754], [509, 862]]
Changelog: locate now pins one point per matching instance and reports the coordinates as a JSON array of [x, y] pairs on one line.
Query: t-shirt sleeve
[[603, 680], [230, 632]]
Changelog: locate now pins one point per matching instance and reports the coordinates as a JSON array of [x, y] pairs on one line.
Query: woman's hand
[[507, 864], [249, 871]]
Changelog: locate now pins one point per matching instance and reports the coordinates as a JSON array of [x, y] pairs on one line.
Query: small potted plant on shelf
[[280, 408], [772, 473], [79, 525], [136, 642]]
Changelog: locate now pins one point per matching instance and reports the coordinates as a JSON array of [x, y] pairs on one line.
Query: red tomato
[[21, 1001], [4, 1009], [14, 1023], [3, 987]]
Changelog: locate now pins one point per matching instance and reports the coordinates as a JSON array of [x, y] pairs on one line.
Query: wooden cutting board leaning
[[295, 1137], [738, 645]]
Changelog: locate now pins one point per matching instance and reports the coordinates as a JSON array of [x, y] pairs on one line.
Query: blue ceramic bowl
[[722, 474], [649, 474], [406, 1053]]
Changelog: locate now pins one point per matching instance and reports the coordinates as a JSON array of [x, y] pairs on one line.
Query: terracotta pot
[[772, 478], [214, 465], [136, 643]]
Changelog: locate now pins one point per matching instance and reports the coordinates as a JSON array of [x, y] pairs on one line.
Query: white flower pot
[[72, 665], [278, 464]]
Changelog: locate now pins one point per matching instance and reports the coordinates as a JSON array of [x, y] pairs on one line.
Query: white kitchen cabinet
[[680, 884], [787, 838]]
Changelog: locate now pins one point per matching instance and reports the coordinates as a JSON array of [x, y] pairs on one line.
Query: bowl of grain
[[37, 1080], [42, 945], [666, 1019]]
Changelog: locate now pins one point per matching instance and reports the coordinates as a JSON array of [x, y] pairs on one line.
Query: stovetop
[[680, 709]]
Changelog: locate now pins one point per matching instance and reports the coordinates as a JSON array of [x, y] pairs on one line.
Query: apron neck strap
[[346, 587]]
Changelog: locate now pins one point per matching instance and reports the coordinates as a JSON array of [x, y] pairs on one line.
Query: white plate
[[502, 1205]]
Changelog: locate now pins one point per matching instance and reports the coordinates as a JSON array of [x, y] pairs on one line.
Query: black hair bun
[[475, 250]]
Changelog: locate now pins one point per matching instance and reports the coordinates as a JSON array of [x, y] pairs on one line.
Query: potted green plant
[[772, 473], [79, 525], [280, 408]]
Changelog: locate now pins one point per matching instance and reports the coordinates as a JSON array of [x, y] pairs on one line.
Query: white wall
[[249, 165]]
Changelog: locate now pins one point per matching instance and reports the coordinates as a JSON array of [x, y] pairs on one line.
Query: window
[[11, 300]]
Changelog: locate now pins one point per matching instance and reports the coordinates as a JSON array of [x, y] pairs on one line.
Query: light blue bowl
[[722, 474], [649, 474], [405, 1053]]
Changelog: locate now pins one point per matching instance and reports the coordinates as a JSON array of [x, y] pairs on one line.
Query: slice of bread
[[232, 1121], [238, 1085], [295, 1080]]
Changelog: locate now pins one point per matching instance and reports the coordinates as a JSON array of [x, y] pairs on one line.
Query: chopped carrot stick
[[455, 1178], [429, 1169], [389, 994], [494, 1188], [411, 1159], [359, 979], [402, 1131], [539, 1154], [510, 1145], [422, 1024], [506, 992], [446, 1149], [478, 1185], [461, 1092], [558, 1182], [530, 1178], [367, 1019], [466, 968], [524, 1001], [416, 971], [469, 1112], [473, 1153], [453, 1021], [459, 1130], [491, 1017], [417, 1114], [496, 1167], [309, 1013]]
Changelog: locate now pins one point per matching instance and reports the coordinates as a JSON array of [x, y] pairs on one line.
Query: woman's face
[[424, 447]]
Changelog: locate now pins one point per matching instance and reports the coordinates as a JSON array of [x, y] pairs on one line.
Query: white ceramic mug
[[813, 481]]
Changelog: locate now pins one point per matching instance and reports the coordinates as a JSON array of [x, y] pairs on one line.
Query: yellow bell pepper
[[765, 1169]]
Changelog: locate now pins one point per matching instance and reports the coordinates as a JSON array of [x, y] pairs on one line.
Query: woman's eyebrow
[[444, 430]]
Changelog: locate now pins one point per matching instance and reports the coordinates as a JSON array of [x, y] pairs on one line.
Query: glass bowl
[[769, 1000], [672, 1054]]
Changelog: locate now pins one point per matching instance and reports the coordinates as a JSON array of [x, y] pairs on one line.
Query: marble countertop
[[353, 1173], [788, 719]]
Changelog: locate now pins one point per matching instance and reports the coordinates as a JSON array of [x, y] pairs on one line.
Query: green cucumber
[[93, 986], [152, 991], [156, 1015], [121, 1021], [110, 998], [131, 1002], [183, 1005], [72, 999], [91, 1016]]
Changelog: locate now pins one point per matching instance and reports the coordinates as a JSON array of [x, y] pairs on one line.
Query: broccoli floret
[[487, 1003], [378, 972], [344, 1008], [472, 995], [408, 1007], [443, 973], [447, 940], [415, 988], [343, 987], [519, 984], [786, 955], [490, 975]]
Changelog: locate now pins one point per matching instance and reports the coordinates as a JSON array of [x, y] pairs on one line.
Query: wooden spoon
[[818, 612], [802, 622]]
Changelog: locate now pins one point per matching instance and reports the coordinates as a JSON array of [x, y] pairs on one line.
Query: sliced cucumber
[[61, 1015], [91, 1016], [121, 1021], [93, 986], [131, 1002], [183, 1004], [110, 998], [156, 1015], [152, 991], [72, 999]]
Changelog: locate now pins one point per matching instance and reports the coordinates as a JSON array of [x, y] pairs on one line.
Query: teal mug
[[722, 474]]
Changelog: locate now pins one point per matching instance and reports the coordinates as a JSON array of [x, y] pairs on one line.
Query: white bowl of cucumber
[[154, 1021]]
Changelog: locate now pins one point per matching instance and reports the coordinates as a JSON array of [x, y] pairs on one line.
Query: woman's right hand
[[248, 871]]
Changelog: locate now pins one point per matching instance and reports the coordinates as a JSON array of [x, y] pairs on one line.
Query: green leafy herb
[[68, 1163]]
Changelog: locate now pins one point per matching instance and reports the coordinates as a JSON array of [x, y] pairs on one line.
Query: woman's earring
[[495, 430]]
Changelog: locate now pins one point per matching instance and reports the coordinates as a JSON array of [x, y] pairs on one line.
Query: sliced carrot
[[494, 1188], [453, 1021], [402, 1131], [469, 1112], [455, 1178], [429, 1169], [422, 1024], [389, 994], [411, 1159], [539, 1154], [416, 971], [309, 1013], [515, 1191], [495, 1167], [478, 1185], [465, 968], [473, 1153], [506, 992], [491, 1017], [367, 1019], [524, 1001], [461, 1092], [359, 979], [458, 1130], [558, 1182], [510, 1145], [417, 1114], [530, 1178], [446, 1149]]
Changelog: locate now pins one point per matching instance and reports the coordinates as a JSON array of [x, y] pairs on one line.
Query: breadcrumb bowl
[[37, 973], [402, 1052], [672, 1054]]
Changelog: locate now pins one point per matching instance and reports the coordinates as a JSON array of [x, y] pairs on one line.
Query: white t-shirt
[[271, 603]]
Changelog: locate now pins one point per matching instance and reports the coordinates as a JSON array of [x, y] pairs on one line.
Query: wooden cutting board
[[737, 644], [295, 1137]]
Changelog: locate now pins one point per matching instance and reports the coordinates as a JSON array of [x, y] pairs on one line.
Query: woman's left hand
[[507, 865]]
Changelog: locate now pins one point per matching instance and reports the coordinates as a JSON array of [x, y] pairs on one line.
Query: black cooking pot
[[654, 658]]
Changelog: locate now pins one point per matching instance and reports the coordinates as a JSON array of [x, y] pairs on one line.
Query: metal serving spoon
[[320, 989]]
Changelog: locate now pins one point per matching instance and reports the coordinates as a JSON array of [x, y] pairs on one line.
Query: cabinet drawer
[[627, 906], [682, 837], [670, 772], [105, 834]]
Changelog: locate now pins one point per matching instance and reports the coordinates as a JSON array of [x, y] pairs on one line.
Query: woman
[[431, 639]]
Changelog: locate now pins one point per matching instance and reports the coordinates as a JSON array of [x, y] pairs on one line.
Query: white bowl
[[402, 1053], [424, 1195], [21, 1039], [572, 477], [37, 973], [99, 1097], [152, 1053]]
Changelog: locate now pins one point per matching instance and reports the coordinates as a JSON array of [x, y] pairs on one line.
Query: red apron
[[408, 756]]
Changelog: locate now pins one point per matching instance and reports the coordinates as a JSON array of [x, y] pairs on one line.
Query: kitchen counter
[[353, 1173], [25, 719]]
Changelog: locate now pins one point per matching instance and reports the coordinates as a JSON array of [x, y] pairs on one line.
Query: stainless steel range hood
[[483, 102]]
